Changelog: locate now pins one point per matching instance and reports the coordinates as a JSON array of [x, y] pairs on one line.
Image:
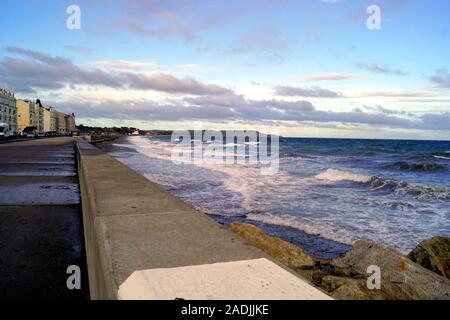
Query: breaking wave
[[402, 188], [442, 157], [428, 166], [334, 175], [399, 188]]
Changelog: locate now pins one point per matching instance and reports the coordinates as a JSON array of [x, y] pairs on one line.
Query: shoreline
[[339, 272], [314, 244], [134, 229]]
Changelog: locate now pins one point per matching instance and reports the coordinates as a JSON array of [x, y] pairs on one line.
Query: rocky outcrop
[[433, 254], [282, 251], [346, 278], [401, 278]]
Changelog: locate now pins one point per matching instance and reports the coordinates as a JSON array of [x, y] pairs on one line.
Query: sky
[[309, 68]]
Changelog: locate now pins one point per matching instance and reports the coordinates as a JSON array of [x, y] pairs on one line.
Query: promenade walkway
[[41, 230]]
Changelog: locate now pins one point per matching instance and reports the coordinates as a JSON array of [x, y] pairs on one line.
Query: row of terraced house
[[20, 116]]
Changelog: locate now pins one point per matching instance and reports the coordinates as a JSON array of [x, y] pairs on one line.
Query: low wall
[[132, 224]]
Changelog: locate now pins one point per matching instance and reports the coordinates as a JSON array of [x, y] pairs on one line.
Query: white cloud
[[312, 92], [125, 64], [326, 76]]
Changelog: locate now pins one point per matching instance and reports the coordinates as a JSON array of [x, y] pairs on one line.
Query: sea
[[327, 193]]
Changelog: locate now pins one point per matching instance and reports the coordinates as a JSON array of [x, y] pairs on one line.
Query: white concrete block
[[258, 279]]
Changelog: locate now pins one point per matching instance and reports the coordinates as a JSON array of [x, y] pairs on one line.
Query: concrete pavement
[[41, 231]]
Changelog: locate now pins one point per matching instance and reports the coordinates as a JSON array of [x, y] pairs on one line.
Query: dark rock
[[401, 278], [284, 252], [434, 255]]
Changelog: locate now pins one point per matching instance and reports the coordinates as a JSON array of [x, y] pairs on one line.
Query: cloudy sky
[[305, 67]]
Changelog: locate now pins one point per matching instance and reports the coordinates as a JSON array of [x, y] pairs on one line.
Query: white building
[[8, 110]]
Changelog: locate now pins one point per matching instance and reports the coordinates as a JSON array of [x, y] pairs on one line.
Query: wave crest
[[402, 188], [391, 186], [427, 166], [442, 157], [334, 175]]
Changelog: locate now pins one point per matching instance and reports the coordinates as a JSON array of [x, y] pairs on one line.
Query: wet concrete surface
[[41, 229], [37, 190], [37, 169]]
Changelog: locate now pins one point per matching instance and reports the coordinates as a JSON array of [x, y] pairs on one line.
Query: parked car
[[30, 135], [4, 130]]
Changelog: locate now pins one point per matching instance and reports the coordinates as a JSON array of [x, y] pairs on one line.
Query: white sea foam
[[334, 175], [241, 178], [152, 148], [442, 157]]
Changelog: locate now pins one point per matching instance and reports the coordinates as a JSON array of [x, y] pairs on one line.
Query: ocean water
[[327, 193]]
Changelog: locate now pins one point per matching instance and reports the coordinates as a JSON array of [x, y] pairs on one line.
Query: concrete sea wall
[[131, 224]]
